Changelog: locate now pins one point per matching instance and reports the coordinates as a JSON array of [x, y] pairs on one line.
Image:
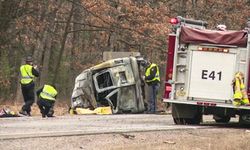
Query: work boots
[[22, 112]]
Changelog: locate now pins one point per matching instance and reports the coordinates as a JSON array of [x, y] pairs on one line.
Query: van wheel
[[221, 119]]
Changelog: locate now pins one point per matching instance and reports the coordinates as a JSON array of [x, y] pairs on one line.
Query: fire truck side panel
[[203, 67], [169, 67], [210, 76], [207, 75]]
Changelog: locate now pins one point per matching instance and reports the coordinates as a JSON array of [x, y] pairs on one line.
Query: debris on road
[[127, 136], [169, 142], [87, 111], [6, 112]]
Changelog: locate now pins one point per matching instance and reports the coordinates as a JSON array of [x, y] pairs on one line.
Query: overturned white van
[[116, 83]]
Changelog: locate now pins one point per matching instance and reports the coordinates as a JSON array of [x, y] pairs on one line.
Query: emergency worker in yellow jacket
[[28, 73], [152, 78], [46, 100], [240, 93]]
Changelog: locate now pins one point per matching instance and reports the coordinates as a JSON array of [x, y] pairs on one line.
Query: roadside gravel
[[198, 139]]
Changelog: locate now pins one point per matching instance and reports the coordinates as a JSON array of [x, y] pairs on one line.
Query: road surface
[[18, 133]]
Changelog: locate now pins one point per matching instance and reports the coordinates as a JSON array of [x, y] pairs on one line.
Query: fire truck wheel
[[221, 119], [179, 121], [244, 119], [197, 119]]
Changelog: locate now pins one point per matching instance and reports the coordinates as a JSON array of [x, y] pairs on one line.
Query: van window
[[123, 77], [104, 80]]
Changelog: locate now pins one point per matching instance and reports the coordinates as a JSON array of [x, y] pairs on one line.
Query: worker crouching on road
[[28, 73], [152, 78], [46, 99], [240, 94]]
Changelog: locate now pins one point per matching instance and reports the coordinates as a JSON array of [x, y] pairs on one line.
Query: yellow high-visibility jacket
[[240, 94], [48, 92], [26, 74]]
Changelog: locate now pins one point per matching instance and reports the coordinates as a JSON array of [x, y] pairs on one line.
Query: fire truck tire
[[221, 119], [197, 119], [179, 121], [244, 119]]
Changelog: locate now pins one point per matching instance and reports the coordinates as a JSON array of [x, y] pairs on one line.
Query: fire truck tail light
[[170, 75], [223, 50], [168, 88], [174, 21]]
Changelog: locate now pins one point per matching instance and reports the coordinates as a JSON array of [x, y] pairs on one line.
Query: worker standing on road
[[46, 99], [28, 73], [152, 78]]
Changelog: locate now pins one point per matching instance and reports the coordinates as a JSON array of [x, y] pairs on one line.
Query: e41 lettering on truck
[[201, 72]]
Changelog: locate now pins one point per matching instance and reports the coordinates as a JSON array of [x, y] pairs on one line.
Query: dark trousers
[[153, 90], [45, 106], [28, 96]]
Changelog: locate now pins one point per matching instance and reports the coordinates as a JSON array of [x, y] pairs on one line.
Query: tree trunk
[[44, 71], [62, 46], [47, 48], [183, 8], [76, 44]]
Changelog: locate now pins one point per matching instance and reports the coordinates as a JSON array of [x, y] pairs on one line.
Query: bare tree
[[63, 42]]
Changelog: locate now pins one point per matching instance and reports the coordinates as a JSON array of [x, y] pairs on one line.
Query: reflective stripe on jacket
[[48, 92], [240, 93], [148, 72], [26, 74], [237, 89]]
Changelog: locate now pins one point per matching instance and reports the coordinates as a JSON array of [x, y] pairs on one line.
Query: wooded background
[[67, 36]]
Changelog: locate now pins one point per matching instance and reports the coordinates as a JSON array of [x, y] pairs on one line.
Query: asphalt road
[[77, 125]]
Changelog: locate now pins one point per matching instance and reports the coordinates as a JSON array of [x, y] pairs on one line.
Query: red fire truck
[[201, 65]]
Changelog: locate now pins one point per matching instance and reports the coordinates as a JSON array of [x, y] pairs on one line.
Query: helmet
[[29, 59], [221, 27], [145, 63]]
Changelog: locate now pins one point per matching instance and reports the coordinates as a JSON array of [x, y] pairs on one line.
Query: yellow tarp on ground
[[103, 110], [86, 111]]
